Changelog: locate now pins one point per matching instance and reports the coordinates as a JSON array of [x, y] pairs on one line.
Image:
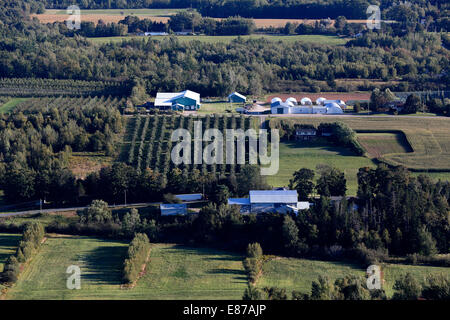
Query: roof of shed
[[237, 94], [239, 201], [273, 196]]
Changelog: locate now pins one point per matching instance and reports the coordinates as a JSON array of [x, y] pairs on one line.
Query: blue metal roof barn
[[273, 196], [237, 97]]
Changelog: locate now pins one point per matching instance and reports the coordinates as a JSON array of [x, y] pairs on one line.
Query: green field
[[317, 39], [122, 12], [174, 272], [8, 246], [380, 144], [307, 154], [218, 107], [298, 274], [11, 104], [428, 137]]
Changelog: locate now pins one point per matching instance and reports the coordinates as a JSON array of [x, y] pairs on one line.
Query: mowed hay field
[[174, 272], [429, 137], [379, 144], [298, 274], [306, 154]]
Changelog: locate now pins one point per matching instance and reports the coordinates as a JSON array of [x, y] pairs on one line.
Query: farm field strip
[[121, 12], [148, 144], [114, 15], [173, 272], [380, 144], [59, 102], [297, 155], [428, 137], [298, 274]]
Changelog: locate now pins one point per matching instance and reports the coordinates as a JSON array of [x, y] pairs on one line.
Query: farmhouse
[[173, 209], [236, 97], [290, 106], [305, 133], [262, 201], [186, 100]]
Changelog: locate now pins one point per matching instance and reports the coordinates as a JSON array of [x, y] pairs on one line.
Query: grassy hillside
[[302, 154], [174, 272]]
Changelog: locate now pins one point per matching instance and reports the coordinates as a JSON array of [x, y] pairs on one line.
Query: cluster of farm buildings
[[259, 201], [190, 101], [306, 106]]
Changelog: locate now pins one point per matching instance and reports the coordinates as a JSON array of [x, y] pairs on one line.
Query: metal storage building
[[236, 97]]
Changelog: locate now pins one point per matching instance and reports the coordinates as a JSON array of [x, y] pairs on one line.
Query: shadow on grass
[[105, 265], [227, 258], [320, 143], [236, 272], [8, 241]]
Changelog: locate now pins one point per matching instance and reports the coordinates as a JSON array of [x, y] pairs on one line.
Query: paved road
[[30, 212]]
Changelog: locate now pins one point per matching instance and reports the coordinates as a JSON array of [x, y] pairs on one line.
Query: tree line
[[137, 254], [32, 236], [394, 215], [406, 287], [413, 62]]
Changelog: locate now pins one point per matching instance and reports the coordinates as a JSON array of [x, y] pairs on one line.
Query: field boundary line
[[130, 286], [22, 268]]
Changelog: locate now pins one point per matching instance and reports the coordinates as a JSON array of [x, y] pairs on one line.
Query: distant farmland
[[159, 15], [380, 144]]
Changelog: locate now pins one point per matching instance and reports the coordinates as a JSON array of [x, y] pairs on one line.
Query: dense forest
[[251, 66], [416, 61], [36, 140]]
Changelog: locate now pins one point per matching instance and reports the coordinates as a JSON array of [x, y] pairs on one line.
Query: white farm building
[[291, 106]]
